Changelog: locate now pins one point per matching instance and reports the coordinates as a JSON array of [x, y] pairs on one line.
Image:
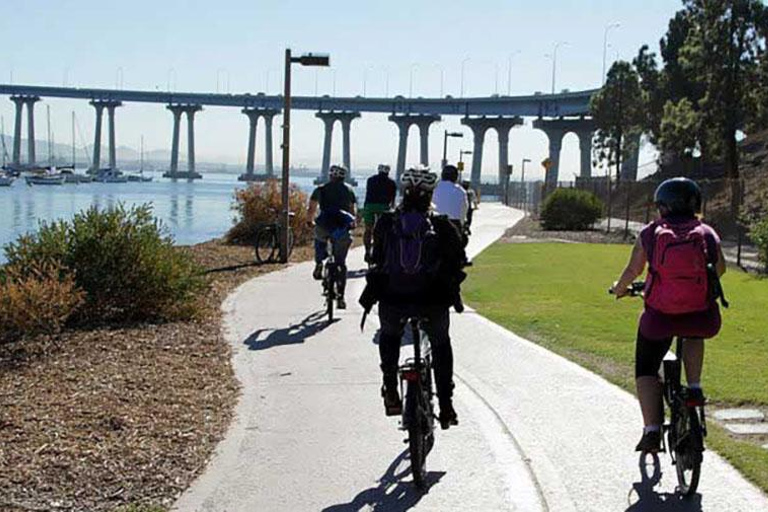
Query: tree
[[723, 42], [618, 112]]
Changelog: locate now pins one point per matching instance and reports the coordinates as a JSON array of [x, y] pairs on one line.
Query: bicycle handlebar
[[634, 290]]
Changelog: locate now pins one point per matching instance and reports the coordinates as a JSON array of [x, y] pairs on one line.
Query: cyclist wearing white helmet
[[380, 192], [416, 270], [338, 207]]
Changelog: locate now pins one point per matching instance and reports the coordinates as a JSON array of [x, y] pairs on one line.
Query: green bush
[[568, 209], [259, 203], [758, 233], [122, 260]]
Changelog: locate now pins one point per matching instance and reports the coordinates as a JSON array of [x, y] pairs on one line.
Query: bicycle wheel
[[266, 245], [688, 451], [416, 435]]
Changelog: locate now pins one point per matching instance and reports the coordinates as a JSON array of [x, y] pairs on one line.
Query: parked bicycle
[[267, 246], [687, 426], [418, 417]]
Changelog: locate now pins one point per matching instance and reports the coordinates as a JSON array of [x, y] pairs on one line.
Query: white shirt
[[451, 199]]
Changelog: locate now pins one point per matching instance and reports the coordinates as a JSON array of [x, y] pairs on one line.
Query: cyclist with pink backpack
[[685, 262]]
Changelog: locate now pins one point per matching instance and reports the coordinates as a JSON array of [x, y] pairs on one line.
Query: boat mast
[[50, 148], [74, 160], [141, 158], [2, 136]]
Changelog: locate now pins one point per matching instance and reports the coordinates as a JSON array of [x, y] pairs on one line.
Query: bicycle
[[687, 426], [267, 246], [330, 277], [418, 417]]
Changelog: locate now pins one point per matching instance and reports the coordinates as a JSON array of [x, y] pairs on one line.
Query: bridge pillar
[[585, 148], [404, 122], [112, 137], [191, 110], [629, 167], [19, 102], [555, 129], [424, 122], [30, 101], [478, 125], [268, 163], [253, 119], [176, 110], [99, 106], [328, 119]]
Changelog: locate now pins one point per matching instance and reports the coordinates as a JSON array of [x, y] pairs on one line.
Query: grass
[[556, 295]]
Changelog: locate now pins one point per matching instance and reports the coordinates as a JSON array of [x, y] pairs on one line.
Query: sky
[[237, 46]]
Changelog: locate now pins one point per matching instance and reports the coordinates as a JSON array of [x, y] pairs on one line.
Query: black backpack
[[412, 256]]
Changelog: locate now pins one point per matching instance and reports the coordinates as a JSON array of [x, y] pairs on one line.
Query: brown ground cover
[[94, 420], [529, 230]]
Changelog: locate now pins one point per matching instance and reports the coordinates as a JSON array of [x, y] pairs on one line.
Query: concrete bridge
[[555, 115]]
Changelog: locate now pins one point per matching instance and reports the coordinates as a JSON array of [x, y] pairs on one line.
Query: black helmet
[[450, 173], [678, 196]]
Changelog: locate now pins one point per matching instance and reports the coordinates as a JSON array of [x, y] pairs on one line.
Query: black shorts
[[649, 354]]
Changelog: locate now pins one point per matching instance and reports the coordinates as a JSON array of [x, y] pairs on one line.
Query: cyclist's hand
[[619, 292]]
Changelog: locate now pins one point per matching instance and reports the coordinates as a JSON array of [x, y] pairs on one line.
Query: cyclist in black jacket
[[417, 262]]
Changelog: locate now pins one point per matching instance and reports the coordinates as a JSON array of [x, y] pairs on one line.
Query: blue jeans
[[340, 243]]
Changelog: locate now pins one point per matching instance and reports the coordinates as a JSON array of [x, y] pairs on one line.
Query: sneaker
[[448, 416], [317, 274], [393, 406], [650, 442], [341, 303], [694, 397]]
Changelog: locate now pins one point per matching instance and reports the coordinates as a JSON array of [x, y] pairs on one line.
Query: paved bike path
[[537, 432]]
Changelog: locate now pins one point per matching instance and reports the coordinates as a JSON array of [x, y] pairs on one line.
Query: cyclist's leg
[[392, 325], [340, 251], [648, 357], [437, 328], [693, 358], [321, 250]]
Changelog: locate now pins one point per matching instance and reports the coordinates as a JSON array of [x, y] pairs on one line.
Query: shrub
[[570, 210], [39, 300], [259, 204], [758, 233], [120, 258]]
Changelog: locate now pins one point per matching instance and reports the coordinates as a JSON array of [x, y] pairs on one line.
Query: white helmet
[[419, 178], [384, 169], [337, 172]]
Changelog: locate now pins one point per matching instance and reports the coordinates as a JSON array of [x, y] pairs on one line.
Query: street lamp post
[[462, 153], [523, 190], [445, 144], [509, 72], [463, 62], [554, 62], [307, 59], [605, 45]]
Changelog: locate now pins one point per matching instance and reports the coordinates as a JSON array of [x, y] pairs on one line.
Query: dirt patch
[[529, 230], [94, 420]]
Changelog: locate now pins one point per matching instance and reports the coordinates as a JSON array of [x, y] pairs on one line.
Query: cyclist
[[416, 271], [338, 208], [451, 199], [685, 262], [472, 202], [380, 195]]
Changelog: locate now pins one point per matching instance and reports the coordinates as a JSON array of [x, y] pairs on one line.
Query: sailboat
[[70, 172], [6, 180], [49, 176], [140, 176]]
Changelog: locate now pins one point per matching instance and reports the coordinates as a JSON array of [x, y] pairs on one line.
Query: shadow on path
[[392, 494], [651, 501], [264, 339]]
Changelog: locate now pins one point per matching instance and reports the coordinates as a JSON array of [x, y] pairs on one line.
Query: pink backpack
[[677, 281]]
